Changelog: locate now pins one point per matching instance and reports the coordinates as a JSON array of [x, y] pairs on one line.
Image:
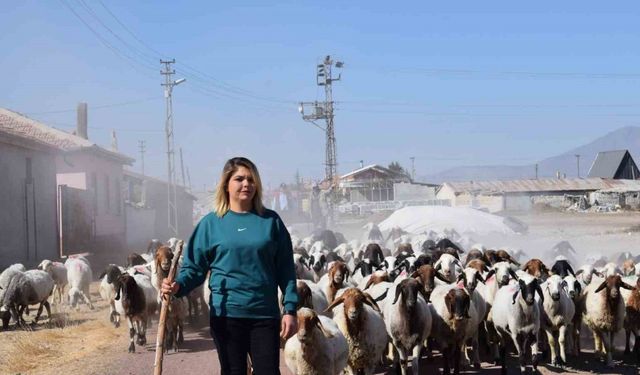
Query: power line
[[103, 106]]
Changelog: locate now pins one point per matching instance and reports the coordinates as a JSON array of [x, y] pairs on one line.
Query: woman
[[248, 250]]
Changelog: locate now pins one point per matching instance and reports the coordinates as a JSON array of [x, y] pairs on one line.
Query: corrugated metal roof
[[542, 185], [607, 163], [22, 126], [372, 166]]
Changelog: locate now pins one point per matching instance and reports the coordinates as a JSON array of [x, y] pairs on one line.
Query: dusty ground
[[84, 342]]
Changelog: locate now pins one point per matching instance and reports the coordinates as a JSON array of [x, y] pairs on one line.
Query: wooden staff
[[157, 366]]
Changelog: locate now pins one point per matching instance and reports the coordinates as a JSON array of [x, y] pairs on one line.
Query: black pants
[[237, 337]]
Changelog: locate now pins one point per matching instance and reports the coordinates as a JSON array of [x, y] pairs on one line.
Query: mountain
[[624, 138]]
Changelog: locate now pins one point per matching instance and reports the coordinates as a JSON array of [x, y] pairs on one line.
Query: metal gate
[[76, 220]]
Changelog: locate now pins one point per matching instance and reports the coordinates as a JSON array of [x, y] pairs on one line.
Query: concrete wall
[[84, 170], [141, 229], [27, 211], [406, 192]]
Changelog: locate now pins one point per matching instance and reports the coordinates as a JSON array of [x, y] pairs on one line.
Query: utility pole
[[413, 168], [536, 171], [578, 161], [324, 111], [142, 146], [182, 167], [172, 200]]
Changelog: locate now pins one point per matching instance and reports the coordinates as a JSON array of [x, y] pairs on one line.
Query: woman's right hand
[[169, 288]]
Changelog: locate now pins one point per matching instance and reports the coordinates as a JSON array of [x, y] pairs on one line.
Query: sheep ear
[[479, 277], [515, 296], [604, 284], [371, 302], [335, 303], [103, 274], [570, 269], [598, 273], [117, 297], [424, 294], [442, 278], [513, 274], [578, 272], [539, 290], [414, 274], [462, 277], [326, 333], [369, 283], [398, 291], [491, 273], [511, 260], [626, 286], [438, 265], [382, 296]]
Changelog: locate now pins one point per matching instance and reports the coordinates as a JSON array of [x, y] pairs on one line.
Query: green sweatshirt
[[249, 256]]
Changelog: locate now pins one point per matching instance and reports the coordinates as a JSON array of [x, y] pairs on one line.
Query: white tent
[[466, 221]]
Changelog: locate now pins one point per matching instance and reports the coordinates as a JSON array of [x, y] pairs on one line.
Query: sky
[[449, 83]]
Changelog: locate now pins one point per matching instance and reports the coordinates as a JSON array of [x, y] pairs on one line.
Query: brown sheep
[[536, 268]]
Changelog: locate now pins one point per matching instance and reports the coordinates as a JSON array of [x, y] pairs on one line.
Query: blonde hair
[[222, 196]]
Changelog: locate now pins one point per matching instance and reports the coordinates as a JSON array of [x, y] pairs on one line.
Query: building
[[614, 164], [90, 211], [27, 195], [372, 183], [147, 210], [522, 195]]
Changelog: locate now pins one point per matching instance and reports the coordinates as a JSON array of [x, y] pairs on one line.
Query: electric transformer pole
[[578, 161], [142, 145], [184, 182], [324, 111], [413, 168], [172, 200]]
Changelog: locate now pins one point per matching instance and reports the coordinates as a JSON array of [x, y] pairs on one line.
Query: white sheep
[[407, 318], [610, 269], [361, 323], [58, 273], [557, 313], [516, 316], [585, 274], [108, 280], [604, 313], [469, 280], [574, 288], [318, 348], [449, 266], [80, 276], [24, 289]]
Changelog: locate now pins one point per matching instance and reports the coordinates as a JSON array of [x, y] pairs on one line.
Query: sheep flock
[[372, 304]]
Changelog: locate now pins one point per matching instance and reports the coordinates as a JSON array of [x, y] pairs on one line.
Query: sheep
[[58, 273], [474, 254], [334, 280], [373, 279], [468, 279], [536, 268], [318, 348], [303, 270], [498, 276], [360, 321], [408, 322], [562, 268], [24, 289], [628, 268], [574, 288], [449, 265], [177, 310], [136, 300], [5, 279], [557, 311], [318, 298], [516, 315], [451, 315], [632, 316], [80, 276], [604, 313], [586, 272], [504, 256], [427, 276], [108, 280], [610, 269], [135, 259]]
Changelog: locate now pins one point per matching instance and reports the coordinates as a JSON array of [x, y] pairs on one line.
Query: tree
[[397, 168]]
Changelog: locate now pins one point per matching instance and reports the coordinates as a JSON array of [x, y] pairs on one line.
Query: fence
[[363, 208]]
